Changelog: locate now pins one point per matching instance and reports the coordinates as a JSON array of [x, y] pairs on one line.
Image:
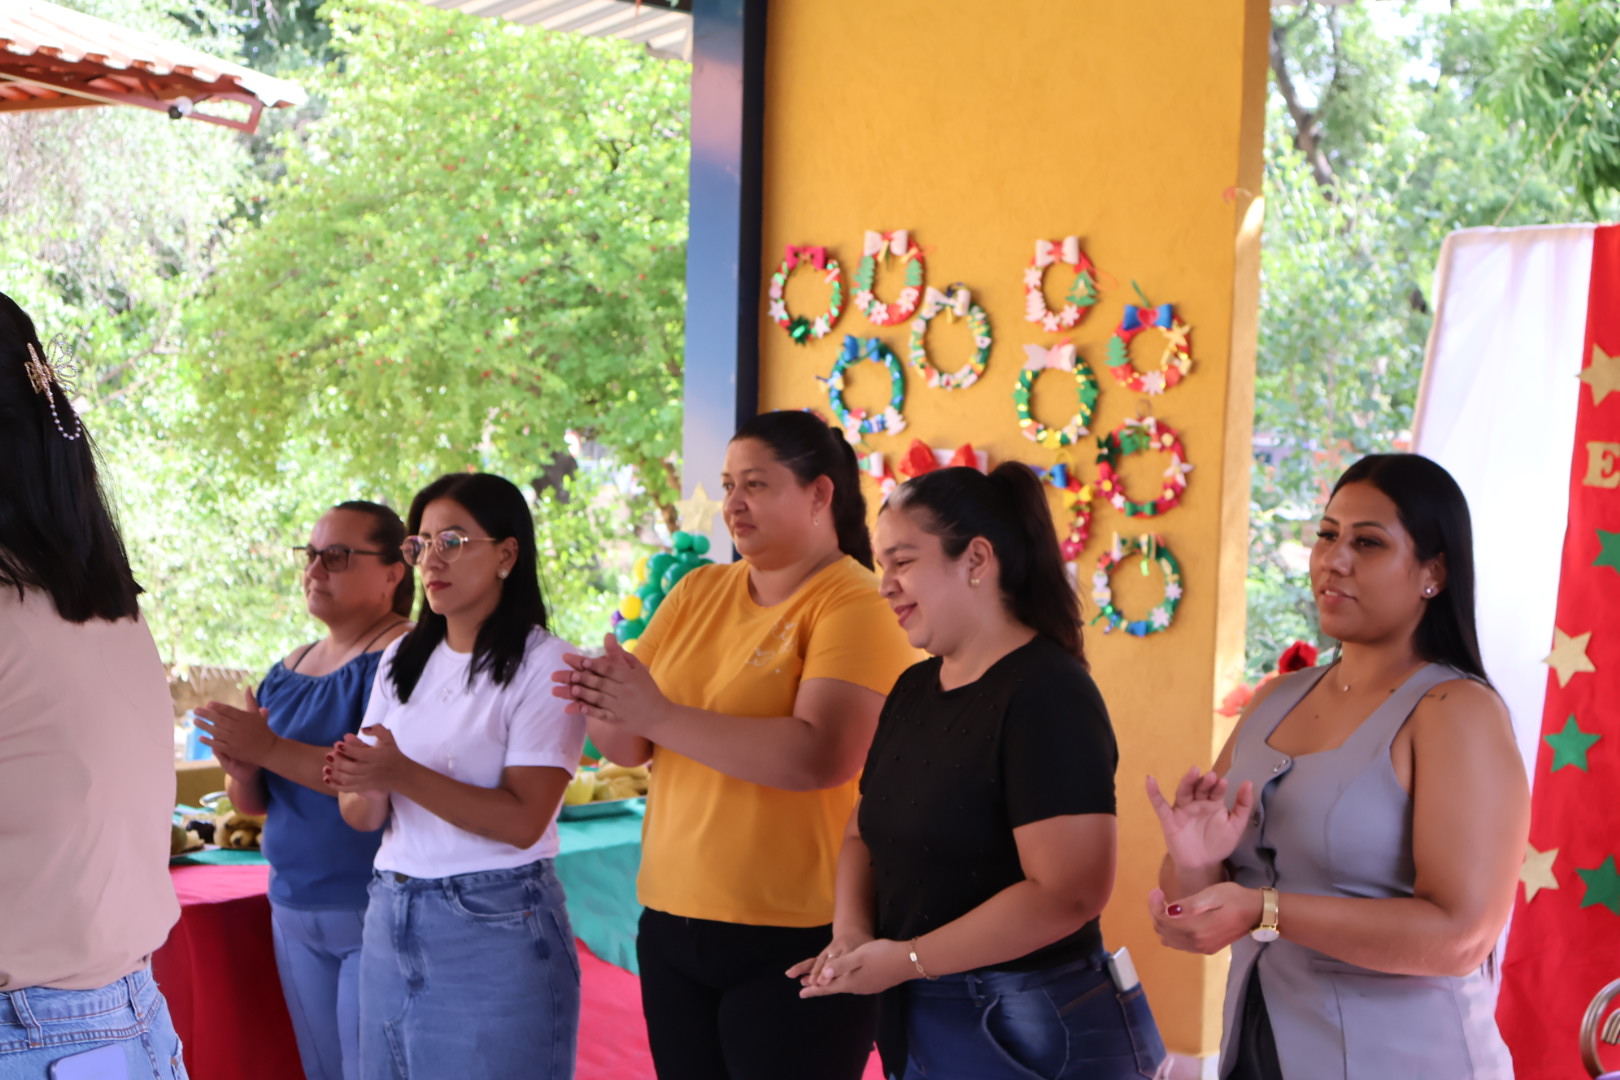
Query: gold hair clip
[[61, 367]]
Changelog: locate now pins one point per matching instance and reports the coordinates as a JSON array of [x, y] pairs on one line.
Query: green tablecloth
[[597, 867]]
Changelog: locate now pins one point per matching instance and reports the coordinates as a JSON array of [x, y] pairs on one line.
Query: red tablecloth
[[218, 972]]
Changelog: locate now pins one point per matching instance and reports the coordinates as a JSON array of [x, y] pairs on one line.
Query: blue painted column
[[722, 250]]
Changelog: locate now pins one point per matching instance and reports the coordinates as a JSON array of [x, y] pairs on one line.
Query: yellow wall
[[982, 127]]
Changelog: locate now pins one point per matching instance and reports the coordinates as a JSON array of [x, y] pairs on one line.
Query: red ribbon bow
[[920, 459], [816, 255]]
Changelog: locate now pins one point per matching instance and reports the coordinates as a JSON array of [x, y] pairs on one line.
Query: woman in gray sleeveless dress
[[1358, 843]]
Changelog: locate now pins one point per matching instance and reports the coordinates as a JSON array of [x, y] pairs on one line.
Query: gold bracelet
[[916, 963]]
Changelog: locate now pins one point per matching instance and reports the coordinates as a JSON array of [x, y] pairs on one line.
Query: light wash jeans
[[468, 977], [318, 957], [39, 1026]]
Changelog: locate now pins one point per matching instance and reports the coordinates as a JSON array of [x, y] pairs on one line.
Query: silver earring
[[502, 574], [1429, 591]]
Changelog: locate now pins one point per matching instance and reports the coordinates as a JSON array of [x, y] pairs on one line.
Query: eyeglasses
[[447, 544], [334, 559]]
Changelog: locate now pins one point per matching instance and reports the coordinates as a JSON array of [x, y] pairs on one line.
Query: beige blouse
[[86, 794]]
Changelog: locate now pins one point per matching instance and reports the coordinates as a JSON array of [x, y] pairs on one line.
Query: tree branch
[[1307, 125]]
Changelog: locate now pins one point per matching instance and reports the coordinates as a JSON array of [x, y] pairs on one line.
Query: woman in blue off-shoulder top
[[356, 583]]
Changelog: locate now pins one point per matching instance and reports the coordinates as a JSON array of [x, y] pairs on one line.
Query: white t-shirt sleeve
[[541, 733], [383, 697]]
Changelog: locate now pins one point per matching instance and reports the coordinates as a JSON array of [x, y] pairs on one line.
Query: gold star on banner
[[1537, 872], [1602, 374], [1568, 657], [697, 511]]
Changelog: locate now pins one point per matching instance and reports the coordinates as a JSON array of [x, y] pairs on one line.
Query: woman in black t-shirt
[[981, 854]]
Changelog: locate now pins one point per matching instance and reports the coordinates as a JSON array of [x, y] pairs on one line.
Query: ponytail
[[810, 449], [1008, 508]]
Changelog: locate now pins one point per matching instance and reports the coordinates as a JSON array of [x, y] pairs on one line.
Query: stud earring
[[973, 581], [502, 574], [1429, 591]]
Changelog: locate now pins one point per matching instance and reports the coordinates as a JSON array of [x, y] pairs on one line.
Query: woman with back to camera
[[273, 751], [754, 690], [86, 752], [1358, 843], [468, 965], [982, 851]]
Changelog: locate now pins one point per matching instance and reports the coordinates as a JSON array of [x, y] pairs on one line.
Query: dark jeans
[[719, 1007], [1062, 1023]]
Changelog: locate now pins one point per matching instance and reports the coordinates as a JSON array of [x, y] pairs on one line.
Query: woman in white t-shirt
[[467, 966]]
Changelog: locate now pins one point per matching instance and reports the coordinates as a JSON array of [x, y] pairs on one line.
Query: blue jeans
[[1062, 1023], [467, 977], [40, 1026], [318, 956]]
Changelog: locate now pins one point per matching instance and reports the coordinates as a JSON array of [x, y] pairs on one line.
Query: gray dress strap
[[1338, 823]]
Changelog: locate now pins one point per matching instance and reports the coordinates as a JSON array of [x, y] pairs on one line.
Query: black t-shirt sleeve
[[1058, 753]]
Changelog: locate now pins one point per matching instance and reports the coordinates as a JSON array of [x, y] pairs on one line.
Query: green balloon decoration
[[655, 575]]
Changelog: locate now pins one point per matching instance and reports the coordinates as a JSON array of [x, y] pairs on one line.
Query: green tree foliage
[[1386, 133], [132, 235], [1553, 67], [474, 260], [479, 250]]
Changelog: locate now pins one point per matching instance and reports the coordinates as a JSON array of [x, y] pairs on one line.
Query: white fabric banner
[[1497, 409]]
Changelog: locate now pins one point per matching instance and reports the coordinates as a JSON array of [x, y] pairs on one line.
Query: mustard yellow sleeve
[[658, 627], [857, 640]]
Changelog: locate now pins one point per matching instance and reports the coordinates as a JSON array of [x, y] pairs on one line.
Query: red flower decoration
[[1297, 657], [1235, 702]]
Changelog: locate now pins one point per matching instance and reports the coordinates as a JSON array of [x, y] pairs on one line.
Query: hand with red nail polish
[[1207, 921]]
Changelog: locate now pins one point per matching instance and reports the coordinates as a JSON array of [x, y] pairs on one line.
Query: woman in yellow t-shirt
[[754, 691]]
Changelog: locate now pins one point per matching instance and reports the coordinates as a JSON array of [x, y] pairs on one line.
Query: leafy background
[[468, 252]]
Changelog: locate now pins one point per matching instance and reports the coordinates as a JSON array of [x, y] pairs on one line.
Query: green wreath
[[959, 302], [1059, 357], [1152, 549]]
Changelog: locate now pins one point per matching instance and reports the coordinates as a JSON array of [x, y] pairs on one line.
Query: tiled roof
[[52, 58], [664, 26]]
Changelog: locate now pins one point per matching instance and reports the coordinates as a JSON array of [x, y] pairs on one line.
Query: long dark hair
[[1434, 511], [1008, 508], [810, 448], [57, 533], [498, 507], [387, 534]]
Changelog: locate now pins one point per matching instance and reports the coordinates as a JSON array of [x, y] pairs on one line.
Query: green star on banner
[[1602, 886], [1570, 746], [1609, 555]]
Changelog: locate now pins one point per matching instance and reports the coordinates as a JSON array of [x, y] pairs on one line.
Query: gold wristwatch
[[1267, 930]]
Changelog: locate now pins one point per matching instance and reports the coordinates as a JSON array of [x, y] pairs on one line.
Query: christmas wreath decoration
[[882, 245], [1082, 294], [1059, 357], [1076, 501], [1174, 363], [855, 422], [1152, 550], [801, 329], [957, 302], [1134, 437]]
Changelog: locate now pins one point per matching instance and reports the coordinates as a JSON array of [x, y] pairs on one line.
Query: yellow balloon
[[640, 573], [630, 607], [630, 646]]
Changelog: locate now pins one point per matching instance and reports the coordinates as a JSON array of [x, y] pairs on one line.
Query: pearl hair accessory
[[59, 366]]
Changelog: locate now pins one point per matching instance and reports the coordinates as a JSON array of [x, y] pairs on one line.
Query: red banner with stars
[[1564, 944]]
